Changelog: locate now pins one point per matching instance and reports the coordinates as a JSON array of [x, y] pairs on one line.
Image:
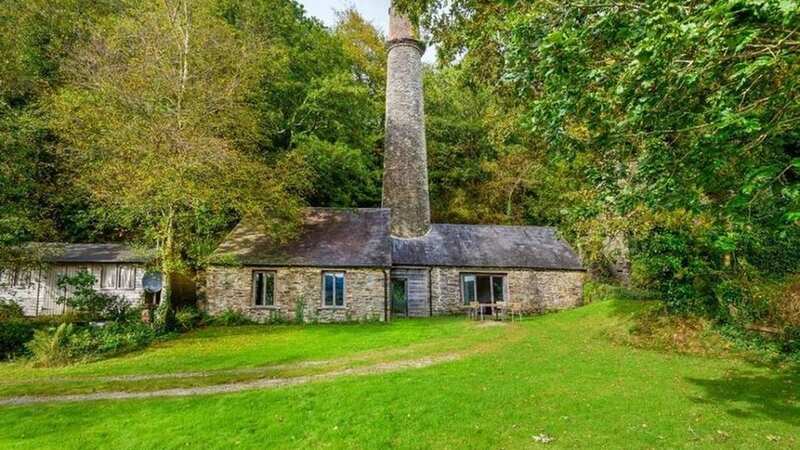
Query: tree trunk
[[164, 312]]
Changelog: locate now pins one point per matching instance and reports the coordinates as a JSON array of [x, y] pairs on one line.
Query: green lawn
[[559, 375]]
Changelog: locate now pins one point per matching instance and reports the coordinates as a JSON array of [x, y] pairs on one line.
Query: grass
[[563, 375]]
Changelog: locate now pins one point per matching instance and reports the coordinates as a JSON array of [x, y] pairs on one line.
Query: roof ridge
[[546, 227], [344, 208]]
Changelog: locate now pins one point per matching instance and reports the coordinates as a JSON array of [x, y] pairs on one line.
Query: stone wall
[[231, 288], [538, 290], [405, 174]]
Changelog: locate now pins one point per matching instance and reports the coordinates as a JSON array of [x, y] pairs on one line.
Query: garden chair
[[515, 309], [475, 311], [500, 309]]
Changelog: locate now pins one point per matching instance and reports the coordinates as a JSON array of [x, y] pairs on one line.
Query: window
[[263, 288], [23, 279], [108, 277], [6, 277], [483, 288], [126, 277], [333, 288], [468, 283]]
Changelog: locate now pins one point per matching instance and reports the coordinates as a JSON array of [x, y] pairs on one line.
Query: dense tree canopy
[[669, 126], [677, 122]]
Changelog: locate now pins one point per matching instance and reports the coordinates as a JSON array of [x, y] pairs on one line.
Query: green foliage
[[231, 318], [84, 300], [342, 176], [188, 318], [594, 292], [50, 348], [14, 334], [671, 124], [300, 310], [104, 136], [164, 319], [10, 309], [70, 343]]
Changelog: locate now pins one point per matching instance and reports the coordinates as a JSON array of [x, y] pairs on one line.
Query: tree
[[674, 121], [157, 120], [35, 37]]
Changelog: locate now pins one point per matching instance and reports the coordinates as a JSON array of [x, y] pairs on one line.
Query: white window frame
[[491, 276], [335, 273], [103, 269], [274, 275], [130, 286]]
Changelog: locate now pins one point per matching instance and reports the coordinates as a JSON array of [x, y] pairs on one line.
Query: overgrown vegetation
[[83, 300], [666, 127]]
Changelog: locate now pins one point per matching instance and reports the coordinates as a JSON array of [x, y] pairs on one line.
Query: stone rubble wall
[[296, 289], [538, 290]]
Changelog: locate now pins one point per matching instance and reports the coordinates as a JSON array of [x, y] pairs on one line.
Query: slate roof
[[333, 237], [486, 246], [329, 237], [91, 253]]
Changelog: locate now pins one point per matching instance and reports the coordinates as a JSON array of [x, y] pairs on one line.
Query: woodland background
[[670, 127]]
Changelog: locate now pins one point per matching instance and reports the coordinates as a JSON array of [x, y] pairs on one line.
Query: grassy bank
[[562, 376]]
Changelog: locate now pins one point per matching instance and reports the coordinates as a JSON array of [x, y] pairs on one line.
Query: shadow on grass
[[773, 395]]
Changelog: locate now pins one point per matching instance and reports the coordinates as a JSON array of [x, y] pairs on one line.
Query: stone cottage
[[118, 270], [357, 264]]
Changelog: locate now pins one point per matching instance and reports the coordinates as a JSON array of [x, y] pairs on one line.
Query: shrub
[[69, 343], [189, 318], [9, 309], [791, 342], [120, 310], [164, 319], [85, 300], [231, 318], [116, 338], [54, 321], [594, 292], [51, 348], [14, 334], [299, 310]]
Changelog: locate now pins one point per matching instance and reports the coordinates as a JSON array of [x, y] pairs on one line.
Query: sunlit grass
[[557, 375]]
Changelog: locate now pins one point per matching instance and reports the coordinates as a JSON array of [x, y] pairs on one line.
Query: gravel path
[[267, 383]]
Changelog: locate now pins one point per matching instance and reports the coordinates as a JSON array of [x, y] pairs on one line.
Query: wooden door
[[399, 296]]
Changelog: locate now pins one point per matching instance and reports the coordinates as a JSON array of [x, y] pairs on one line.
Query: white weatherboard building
[[117, 268]]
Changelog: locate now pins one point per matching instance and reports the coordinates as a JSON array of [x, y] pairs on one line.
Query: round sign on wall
[[152, 282]]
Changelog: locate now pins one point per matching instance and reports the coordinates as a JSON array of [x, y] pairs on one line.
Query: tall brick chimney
[[405, 176]]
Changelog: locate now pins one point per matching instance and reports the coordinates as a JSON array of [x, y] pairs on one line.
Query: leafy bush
[[116, 338], [791, 342], [14, 334], [70, 343], [120, 310], [54, 321], [85, 300], [10, 309], [299, 310], [232, 318], [51, 348], [189, 318], [593, 292]]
